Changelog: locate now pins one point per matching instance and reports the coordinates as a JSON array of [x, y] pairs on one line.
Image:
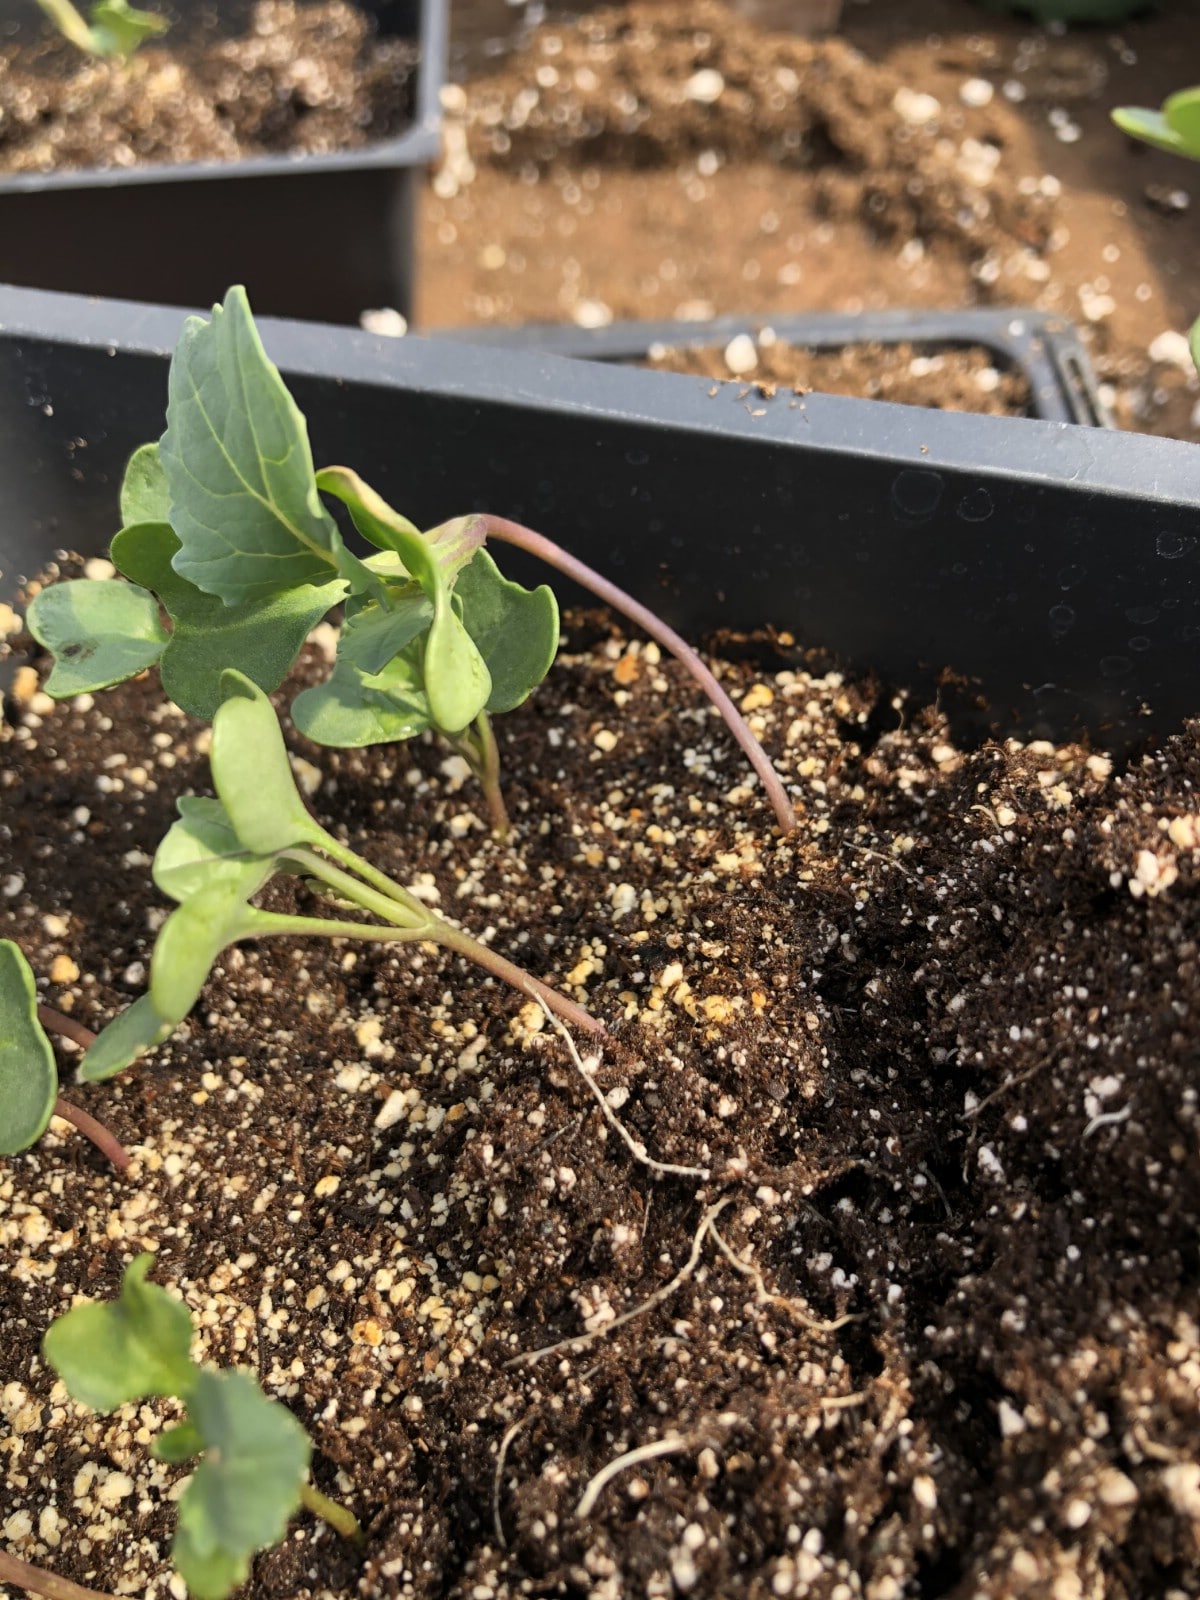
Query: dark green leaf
[[248, 1485], [515, 629], [99, 631], [244, 499], [372, 637], [351, 708], [178, 1444], [260, 638], [145, 496], [28, 1076], [136, 1346], [129, 1035]]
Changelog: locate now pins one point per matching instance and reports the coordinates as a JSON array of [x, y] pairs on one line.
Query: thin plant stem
[[399, 907], [371, 875], [537, 544], [69, 23], [90, 1127], [66, 1027], [337, 1516], [107, 1143], [477, 745], [36, 1580]]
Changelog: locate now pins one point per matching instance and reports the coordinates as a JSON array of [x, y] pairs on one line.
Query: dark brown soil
[[935, 1052], [950, 379], [585, 180], [303, 78]]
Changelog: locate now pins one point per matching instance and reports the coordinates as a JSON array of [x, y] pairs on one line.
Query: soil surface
[[914, 1314], [305, 79], [661, 160], [954, 379]]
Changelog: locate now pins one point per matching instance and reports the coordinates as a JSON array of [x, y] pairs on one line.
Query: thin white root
[[635, 1147], [672, 1445], [1108, 1119], [582, 1341], [498, 1477], [767, 1297]]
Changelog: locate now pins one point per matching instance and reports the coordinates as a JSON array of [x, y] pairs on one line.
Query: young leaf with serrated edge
[[99, 631], [516, 630], [133, 1347], [261, 638], [352, 708], [248, 1485], [28, 1075], [244, 501]]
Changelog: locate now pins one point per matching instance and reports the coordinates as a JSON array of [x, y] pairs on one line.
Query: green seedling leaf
[[516, 630], [201, 851], [378, 523], [28, 1075], [245, 1489], [178, 1444], [372, 637], [100, 632], [1194, 342], [1182, 111], [129, 1035], [129, 1349], [252, 774], [145, 495], [118, 29], [244, 499], [261, 638], [457, 681], [190, 940], [352, 708]]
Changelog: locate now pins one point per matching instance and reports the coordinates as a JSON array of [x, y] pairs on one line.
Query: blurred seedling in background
[[113, 27], [225, 530], [251, 1477]]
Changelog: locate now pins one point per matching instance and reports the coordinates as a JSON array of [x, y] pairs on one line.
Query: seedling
[[222, 852], [251, 1479], [114, 27], [29, 1094], [226, 531], [1176, 127]]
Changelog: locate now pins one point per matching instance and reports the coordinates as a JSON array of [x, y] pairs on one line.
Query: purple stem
[[107, 1143], [538, 545], [37, 1581]]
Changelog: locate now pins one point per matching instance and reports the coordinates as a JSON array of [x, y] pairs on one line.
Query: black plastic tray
[[324, 237], [1056, 566], [1046, 349]]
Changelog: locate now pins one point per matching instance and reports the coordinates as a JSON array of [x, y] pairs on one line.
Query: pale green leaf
[[516, 630], [244, 499], [133, 1347], [1151, 127], [352, 708], [1194, 343], [201, 850], [242, 1494], [190, 940], [129, 1035], [28, 1075], [100, 632], [145, 496], [118, 29], [260, 637], [1182, 112], [252, 774], [457, 681]]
